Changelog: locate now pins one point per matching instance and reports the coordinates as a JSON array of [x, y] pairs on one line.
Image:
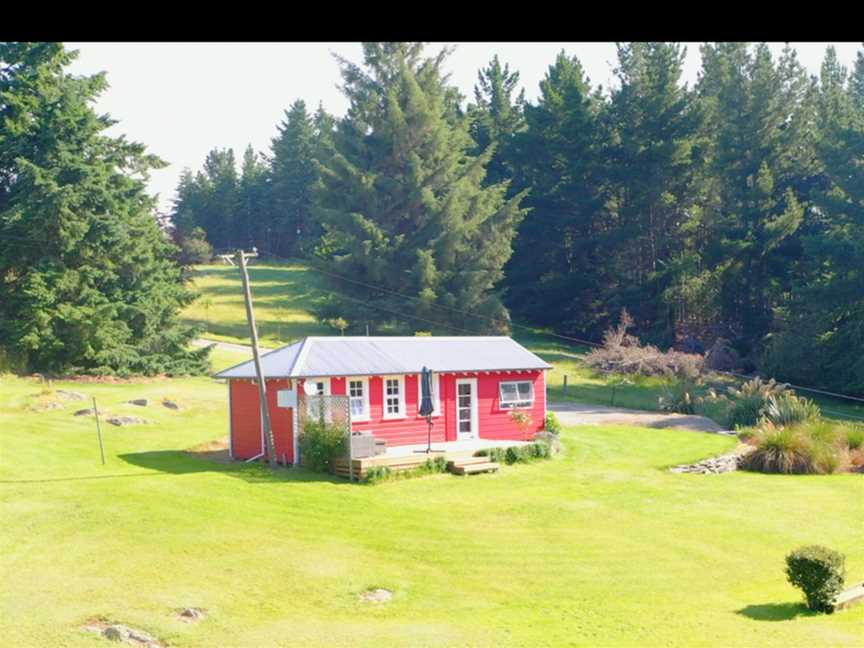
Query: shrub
[[681, 396], [549, 439], [855, 437], [715, 407], [749, 400], [623, 354], [551, 423], [819, 572], [522, 420], [376, 474], [785, 408], [320, 444]]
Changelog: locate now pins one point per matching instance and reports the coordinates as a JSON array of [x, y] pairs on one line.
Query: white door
[[466, 409]]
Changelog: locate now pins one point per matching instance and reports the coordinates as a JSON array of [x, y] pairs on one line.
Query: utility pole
[[269, 445]]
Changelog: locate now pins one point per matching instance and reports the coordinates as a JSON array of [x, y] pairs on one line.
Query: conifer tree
[[88, 281], [557, 267], [403, 200], [496, 116], [293, 175]]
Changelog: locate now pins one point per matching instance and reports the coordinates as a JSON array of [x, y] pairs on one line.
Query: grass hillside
[[599, 547], [284, 294]]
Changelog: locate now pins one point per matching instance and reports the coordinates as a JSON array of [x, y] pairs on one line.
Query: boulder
[[85, 412], [191, 614], [722, 357], [141, 402], [170, 404]]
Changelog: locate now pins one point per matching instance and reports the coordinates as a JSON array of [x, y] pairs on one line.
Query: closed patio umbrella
[[426, 407]]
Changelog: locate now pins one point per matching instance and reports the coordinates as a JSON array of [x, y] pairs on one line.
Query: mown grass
[[599, 547]]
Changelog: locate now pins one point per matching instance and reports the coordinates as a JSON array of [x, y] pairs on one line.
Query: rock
[[85, 412], [722, 357], [170, 404], [126, 420], [191, 614], [71, 395], [132, 636], [378, 595], [141, 402], [728, 462], [113, 633]]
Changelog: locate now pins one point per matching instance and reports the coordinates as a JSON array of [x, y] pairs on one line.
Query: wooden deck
[[405, 457]]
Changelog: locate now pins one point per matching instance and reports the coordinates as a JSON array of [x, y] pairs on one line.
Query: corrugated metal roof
[[363, 356]]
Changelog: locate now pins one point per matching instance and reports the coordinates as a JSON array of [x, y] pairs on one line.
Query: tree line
[[732, 208]]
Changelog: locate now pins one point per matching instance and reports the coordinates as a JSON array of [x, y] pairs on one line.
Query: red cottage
[[478, 385]]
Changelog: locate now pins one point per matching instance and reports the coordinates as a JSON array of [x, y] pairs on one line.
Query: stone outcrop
[[724, 463]]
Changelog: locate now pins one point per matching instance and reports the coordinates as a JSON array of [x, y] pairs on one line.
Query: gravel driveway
[[586, 414]]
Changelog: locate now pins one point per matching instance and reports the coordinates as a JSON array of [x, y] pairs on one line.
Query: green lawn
[[599, 547]]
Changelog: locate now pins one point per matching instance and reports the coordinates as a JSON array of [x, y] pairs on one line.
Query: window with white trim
[[394, 396], [516, 394], [436, 399], [358, 398], [313, 405]]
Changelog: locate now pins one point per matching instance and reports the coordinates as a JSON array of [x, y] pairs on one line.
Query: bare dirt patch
[[377, 595], [216, 450]]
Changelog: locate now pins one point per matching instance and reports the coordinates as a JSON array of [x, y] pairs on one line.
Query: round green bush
[[819, 572]]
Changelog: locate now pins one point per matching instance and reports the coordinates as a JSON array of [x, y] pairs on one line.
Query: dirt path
[[585, 414]]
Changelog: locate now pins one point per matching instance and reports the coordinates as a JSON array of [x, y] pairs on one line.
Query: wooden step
[[467, 461], [473, 468]]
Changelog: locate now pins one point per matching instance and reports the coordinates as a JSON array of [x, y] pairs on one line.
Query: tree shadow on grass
[[178, 462], [775, 611]]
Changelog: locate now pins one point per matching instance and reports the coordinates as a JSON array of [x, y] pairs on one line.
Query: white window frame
[[310, 400], [509, 404], [401, 413], [364, 381], [436, 394]]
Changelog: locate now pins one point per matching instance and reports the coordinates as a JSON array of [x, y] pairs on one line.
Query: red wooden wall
[[246, 420], [493, 422]]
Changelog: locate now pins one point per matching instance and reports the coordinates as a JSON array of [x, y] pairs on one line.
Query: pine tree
[[652, 161], [819, 334], [293, 176], [496, 116], [557, 267], [252, 219], [761, 157], [87, 278], [403, 200]]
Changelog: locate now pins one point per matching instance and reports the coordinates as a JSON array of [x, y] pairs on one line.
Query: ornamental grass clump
[[819, 572]]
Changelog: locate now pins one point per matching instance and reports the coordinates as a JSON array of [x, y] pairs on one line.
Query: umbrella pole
[[429, 444]]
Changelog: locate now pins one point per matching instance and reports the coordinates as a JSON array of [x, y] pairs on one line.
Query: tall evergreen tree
[[496, 116], [652, 161], [293, 176], [819, 333], [761, 159], [404, 202], [252, 219], [87, 279], [557, 267]]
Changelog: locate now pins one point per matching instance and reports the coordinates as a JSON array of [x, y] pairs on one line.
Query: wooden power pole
[[269, 445]]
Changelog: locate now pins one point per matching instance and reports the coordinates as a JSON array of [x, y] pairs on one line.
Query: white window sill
[[394, 417], [360, 419]]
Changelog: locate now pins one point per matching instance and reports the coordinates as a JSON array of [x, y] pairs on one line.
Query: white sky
[[183, 99]]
